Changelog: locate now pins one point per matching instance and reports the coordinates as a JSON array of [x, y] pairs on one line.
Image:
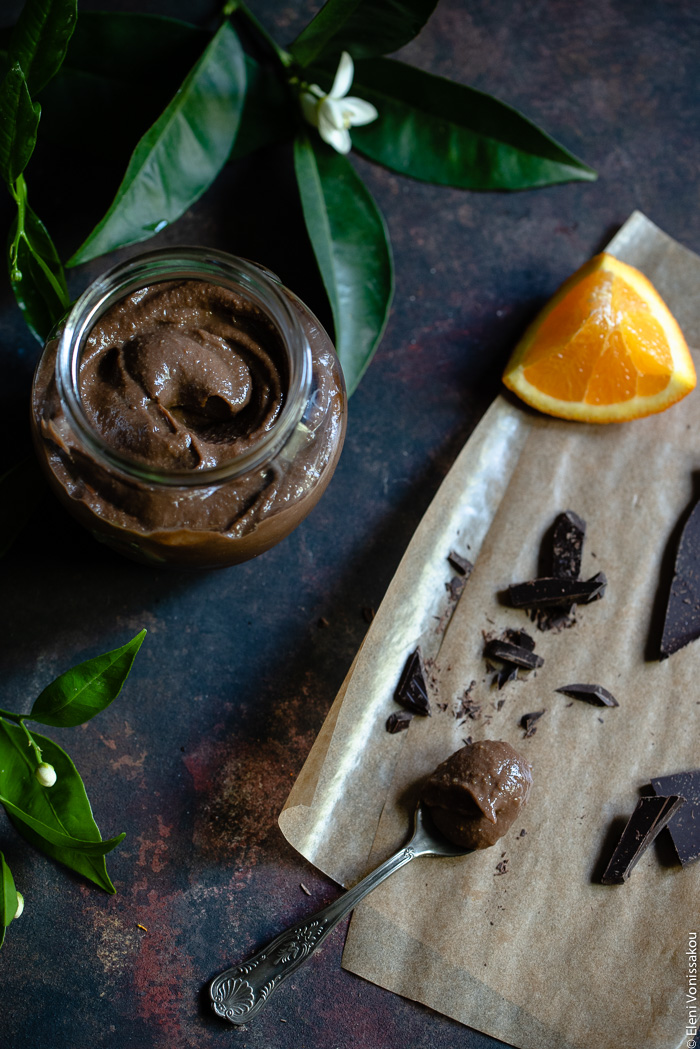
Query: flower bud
[[20, 904], [46, 774]]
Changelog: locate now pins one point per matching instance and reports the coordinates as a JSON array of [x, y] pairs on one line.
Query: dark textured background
[[196, 757]]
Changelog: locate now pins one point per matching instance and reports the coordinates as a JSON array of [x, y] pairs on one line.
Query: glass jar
[[191, 409]]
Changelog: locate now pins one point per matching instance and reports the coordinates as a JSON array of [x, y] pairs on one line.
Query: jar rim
[[255, 283]]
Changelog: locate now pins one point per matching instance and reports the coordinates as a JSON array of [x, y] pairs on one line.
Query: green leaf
[[362, 27], [181, 154], [22, 488], [266, 116], [80, 693], [19, 120], [38, 280], [352, 249], [8, 897], [438, 131], [40, 39], [121, 71], [58, 820]]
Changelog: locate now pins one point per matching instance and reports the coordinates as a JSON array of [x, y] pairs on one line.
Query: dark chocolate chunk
[[412, 691], [567, 545], [529, 722], [399, 721], [682, 622], [548, 591], [507, 652], [648, 819], [590, 694], [460, 564], [684, 825], [519, 637]]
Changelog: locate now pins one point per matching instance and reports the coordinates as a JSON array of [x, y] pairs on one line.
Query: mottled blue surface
[[196, 757]]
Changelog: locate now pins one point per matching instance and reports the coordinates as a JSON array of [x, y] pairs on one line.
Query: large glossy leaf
[[352, 249], [181, 154], [40, 39], [8, 897], [439, 131], [85, 690], [19, 119], [22, 488], [38, 281], [72, 837], [362, 27]]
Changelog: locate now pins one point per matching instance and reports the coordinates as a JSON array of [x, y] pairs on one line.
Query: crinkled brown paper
[[543, 956]]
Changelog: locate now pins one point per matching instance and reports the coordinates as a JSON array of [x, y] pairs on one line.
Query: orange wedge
[[605, 349]]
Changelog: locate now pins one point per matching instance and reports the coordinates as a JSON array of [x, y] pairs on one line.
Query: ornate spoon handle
[[239, 993]]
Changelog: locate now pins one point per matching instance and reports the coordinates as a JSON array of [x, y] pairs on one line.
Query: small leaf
[[40, 39], [84, 691], [439, 131], [22, 488], [8, 897], [362, 27], [181, 154], [352, 249], [19, 120], [37, 277], [63, 809]]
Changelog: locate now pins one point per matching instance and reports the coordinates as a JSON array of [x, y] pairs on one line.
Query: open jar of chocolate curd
[[191, 410]]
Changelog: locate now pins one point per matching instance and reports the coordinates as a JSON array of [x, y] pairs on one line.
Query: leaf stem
[[18, 189], [32, 742], [238, 7], [13, 717]]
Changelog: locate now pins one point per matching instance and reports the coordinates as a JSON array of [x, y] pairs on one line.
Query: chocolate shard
[[412, 691], [648, 819], [568, 534], [455, 587], [590, 694], [399, 721], [682, 622], [529, 722], [460, 564], [684, 825], [549, 592], [507, 652]]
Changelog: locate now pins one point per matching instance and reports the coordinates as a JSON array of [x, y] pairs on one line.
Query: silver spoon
[[239, 993]]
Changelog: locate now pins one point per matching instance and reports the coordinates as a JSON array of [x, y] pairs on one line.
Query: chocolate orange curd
[[475, 795], [190, 421]]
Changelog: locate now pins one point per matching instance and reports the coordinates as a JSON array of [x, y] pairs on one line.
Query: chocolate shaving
[[590, 694], [568, 534], [548, 591], [507, 652], [502, 867], [682, 622], [412, 691], [460, 564], [398, 721], [648, 819], [529, 722], [684, 825], [520, 638]]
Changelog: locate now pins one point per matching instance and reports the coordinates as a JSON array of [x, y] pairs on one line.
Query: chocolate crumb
[[501, 867], [522, 834], [398, 721], [468, 741], [529, 722], [455, 587], [304, 889], [499, 704]]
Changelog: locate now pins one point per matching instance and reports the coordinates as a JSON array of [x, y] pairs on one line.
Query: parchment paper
[[543, 956]]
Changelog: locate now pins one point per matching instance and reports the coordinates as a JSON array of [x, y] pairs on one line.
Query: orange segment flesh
[[605, 349]]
